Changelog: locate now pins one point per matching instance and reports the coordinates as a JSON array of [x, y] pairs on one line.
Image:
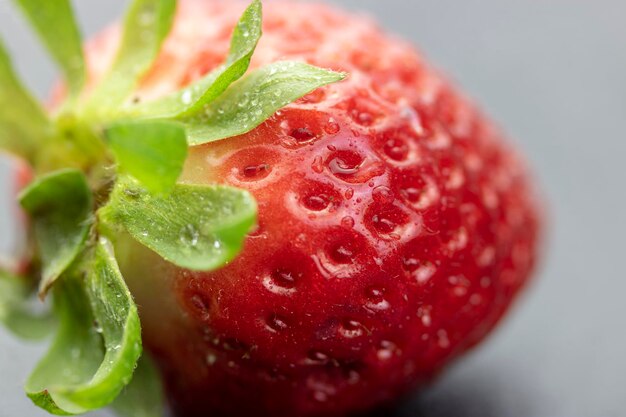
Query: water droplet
[[459, 240], [424, 313], [442, 339], [363, 118], [317, 357], [476, 299], [486, 257], [374, 293], [97, 327], [396, 149], [332, 127], [351, 329], [386, 350], [186, 97], [320, 396], [353, 377], [382, 195], [456, 179], [211, 359], [376, 299], [424, 272], [189, 235], [347, 222], [276, 323], [460, 285], [302, 135]]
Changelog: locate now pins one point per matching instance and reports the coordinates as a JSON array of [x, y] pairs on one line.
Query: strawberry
[[395, 227], [395, 224]]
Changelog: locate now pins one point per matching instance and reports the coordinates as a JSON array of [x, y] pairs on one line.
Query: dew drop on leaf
[[186, 97], [189, 235]]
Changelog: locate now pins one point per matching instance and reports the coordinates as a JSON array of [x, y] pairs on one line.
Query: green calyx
[[108, 164]]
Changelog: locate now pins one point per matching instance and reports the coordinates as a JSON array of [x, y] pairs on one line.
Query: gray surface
[[553, 72]]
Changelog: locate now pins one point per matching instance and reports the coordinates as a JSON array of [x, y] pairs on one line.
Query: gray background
[[553, 72]]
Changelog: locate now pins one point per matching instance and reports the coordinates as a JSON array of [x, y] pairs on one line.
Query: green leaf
[[192, 99], [23, 124], [54, 22], [60, 205], [75, 355], [146, 25], [256, 97], [151, 151], [195, 227], [81, 373], [143, 397], [15, 312]]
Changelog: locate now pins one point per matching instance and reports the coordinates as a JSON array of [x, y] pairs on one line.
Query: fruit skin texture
[[396, 227]]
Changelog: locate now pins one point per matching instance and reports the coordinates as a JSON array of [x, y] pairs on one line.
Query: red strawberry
[[395, 226]]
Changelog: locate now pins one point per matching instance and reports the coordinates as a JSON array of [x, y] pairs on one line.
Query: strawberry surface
[[395, 226]]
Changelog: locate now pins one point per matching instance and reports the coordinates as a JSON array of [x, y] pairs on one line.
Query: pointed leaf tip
[[147, 24], [192, 99]]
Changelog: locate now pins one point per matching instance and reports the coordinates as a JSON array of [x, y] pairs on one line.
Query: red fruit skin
[[396, 226]]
